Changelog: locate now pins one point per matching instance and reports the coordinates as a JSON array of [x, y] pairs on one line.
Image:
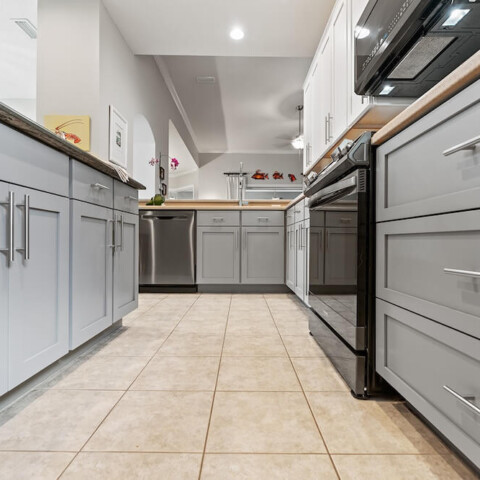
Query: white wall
[[144, 147], [212, 183]]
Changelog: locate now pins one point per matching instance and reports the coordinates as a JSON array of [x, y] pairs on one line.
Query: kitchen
[[240, 243]]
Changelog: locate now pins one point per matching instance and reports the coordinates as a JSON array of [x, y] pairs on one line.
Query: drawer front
[[341, 219], [26, 162], [218, 218], [412, 256], [125, 198], [290, 216], [317, 219], [421, 359], [263, 218], [306, 210], [89, 185], [299, 211], [415, 174]]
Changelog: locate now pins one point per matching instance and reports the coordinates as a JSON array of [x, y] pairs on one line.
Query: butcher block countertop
[[460, 78], [217, 205], [34, 130]]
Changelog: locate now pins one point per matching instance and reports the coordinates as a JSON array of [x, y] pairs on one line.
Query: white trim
[[251, 152], [181, 174], [173, 92]]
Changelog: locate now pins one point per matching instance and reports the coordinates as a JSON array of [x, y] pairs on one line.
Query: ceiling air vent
[[205, 80]]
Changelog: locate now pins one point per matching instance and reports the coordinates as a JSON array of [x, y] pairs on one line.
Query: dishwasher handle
[[166, 217]]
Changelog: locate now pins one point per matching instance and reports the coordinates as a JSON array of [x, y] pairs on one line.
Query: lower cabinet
[[317, 256], [218, 255], [340, 256], [4, 264], [300, 259], [92, 271], [125, 265], [263, 255], [290, 257], [37, 274]]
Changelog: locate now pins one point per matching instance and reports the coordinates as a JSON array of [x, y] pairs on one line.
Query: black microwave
[[404, 47]]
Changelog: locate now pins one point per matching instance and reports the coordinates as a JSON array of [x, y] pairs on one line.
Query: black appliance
[[405, 47], [341, 202]]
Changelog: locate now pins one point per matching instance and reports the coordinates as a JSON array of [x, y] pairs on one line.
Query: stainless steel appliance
[[405, 47], [341, 211], [167, 248]]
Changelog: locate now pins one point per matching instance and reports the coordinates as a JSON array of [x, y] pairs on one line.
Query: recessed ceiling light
[[237, 33], [298, 142]]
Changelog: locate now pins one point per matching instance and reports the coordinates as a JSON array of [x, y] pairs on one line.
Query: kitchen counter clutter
[[24, 125], [69, 253]]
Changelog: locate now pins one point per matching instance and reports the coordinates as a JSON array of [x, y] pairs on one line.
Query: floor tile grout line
[[214, 392], [304, 395], [125, 392]]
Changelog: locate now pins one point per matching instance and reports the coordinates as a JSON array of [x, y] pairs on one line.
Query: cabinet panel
[[91, 186], [92, 243], [218, 255], [307, 124], [263, 255], [125, 198], [4, 270], [263, 218], [125, 265], [300, 244], [341, 256], [291, 257], [218, 218], [317, 256], [340, 219], [323, 111], [38, 300]]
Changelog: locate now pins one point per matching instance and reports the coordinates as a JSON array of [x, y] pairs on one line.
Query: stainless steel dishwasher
[[167, 248]]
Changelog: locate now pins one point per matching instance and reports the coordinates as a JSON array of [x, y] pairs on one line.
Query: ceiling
[[251, 107], [273, 28]]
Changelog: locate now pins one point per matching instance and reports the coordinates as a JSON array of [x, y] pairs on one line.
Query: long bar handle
[[26, 230], [244, 239], [113, 222], [468, 145], [330, 118], [326, 130], [10, 250], [100, 186], [122, 229], [464, 400], [462, 273]]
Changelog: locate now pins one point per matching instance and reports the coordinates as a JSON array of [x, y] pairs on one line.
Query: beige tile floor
[[213, 387]]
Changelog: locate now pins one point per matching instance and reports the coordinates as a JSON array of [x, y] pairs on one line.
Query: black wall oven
[[405, 47], [342, 249]]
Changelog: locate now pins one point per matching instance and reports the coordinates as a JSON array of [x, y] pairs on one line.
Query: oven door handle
[[333, 192]]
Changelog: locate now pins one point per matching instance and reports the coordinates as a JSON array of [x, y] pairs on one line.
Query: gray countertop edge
[[32, 129]]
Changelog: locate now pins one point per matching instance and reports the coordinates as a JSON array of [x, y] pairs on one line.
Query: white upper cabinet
[[307, 124]]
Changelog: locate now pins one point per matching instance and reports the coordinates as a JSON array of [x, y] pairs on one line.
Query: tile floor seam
[[214, 392], [304, 394], [124, 392]]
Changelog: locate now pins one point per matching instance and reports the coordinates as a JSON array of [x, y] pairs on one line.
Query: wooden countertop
[[460, 78], [217, 205], [34, 130]]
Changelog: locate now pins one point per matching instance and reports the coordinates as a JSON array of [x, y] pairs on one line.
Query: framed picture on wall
[[164, 189], [162, 173], [118, 144]]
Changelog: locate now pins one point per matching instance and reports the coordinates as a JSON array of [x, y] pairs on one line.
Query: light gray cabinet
[[92, 271], [290, 257], [263, 255], [340, 256], [218, 255], [4, 265], [317, 256], [125, 265], [38, 283], [300, 266]]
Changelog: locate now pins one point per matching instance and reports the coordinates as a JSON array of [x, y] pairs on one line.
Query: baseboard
[[233, 288]]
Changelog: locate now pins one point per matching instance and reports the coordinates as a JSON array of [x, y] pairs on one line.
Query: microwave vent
[[362, 181], [420, 56]]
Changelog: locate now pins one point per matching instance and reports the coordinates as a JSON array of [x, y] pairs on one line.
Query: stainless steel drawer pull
[[468, 145], [26, 228], [462, 273], [346, 220], [100, 186], [262, 219], [464, 399], [10, 250], [218, 219], [129, 197]]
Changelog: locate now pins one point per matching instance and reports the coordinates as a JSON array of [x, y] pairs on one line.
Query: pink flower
[[153, 161], [174, 163]]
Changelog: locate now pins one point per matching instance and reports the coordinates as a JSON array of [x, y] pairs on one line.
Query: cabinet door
[[218, 255], [38, 284], [306, 261], [323, 86], [341, 256], [4, 273], [299, 262], [317, 256], [291, 257], [263, 255], [307, 124], [338, 122], [125, 265], [91, 277]]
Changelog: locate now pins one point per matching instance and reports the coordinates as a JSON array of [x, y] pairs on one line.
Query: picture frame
[[118, 141], [164, 190], [162, 173]]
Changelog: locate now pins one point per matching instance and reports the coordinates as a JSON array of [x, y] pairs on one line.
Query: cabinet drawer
[[412, 256], [263, 219], [299, 211], [125, 198], [89, 185], [420, 358], [317, 219], [290, 216], [218, 218], [414, 175], [341, 219], [31, 164]]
